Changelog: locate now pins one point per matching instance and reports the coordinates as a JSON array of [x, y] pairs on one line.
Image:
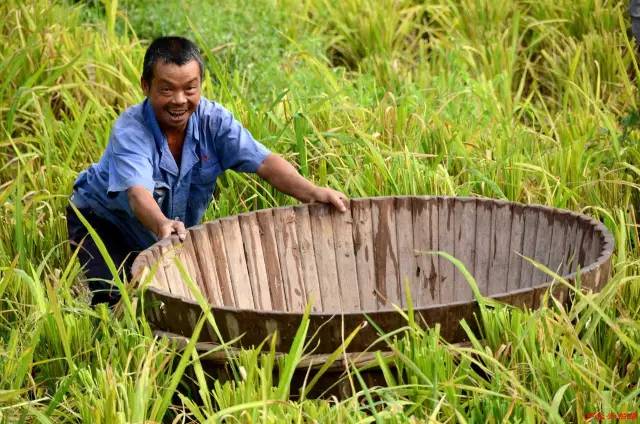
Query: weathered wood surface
[[543, 246], [385, 248], [271, 259], [322, 231], [499, 248], [289, 254], [596, 242], [174, 279], [568, 253], [425, 244], [578, 253], [363, 246], [446, 241], [256, 268], [528, 246], [222, 263], [157, 263], [238, 270], [189, 259], [516, 243], [345, 259], [406, 256], [272, 262], [204, 258], [558, 241], [484, 246], [464, 244], [307, 256]]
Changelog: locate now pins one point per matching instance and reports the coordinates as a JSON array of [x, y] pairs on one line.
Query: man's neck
[[175, 140]]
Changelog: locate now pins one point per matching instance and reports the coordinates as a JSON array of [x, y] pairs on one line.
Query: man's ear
[[145, 87]]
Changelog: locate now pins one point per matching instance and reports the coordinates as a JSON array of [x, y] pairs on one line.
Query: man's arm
[[148, 212], [284, 177]]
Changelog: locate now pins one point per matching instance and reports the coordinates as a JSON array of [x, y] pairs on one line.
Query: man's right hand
[[149, 214], [171, 226]]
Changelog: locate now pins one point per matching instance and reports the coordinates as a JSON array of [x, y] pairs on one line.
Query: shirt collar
[[150, 118], [192, 138]]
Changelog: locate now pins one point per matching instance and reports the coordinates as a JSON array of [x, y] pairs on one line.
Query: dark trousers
[[98, 275]]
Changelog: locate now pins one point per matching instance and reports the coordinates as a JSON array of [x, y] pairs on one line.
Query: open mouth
[[177, 114]]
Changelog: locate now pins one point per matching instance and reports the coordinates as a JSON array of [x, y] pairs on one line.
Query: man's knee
[[97, 273]]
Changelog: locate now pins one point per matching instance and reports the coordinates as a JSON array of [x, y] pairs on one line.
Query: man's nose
[[179, 97]]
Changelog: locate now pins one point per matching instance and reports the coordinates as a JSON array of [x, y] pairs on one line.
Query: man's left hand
[[328, 195]]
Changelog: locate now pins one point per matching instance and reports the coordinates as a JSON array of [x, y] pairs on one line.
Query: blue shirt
[[138, 154]]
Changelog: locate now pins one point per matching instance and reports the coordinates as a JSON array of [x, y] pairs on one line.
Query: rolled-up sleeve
[[130, 161], [235, 146]]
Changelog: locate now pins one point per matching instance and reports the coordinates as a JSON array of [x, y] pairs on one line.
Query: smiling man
[[158, 172]]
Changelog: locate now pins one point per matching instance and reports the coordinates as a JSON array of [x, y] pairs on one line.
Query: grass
[[527, 101]]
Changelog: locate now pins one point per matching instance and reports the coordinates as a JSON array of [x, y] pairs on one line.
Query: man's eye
[[165, 90]]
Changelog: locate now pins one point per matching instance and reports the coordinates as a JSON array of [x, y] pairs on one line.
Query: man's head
[[171, 79]]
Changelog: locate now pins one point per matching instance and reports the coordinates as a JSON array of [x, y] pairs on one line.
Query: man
[[158, 172]]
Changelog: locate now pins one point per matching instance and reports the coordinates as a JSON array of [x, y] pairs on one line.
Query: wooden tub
[[258, 270]]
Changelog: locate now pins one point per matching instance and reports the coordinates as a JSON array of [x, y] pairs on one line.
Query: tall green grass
[[526, 101]]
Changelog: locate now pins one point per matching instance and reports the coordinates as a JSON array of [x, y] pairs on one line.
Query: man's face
[[174, 93]]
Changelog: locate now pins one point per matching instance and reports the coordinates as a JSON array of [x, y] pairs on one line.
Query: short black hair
[[176, 50]]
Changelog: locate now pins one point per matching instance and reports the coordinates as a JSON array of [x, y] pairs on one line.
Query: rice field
[[529, 101]]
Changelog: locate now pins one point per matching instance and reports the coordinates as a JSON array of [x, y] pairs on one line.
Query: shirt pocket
[[206, 174], [203, 183]]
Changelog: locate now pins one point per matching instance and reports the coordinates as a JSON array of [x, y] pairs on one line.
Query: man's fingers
[[170, 227], [177, 227], [180, 230], [164, 232], [336, 198], [339, 201]]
